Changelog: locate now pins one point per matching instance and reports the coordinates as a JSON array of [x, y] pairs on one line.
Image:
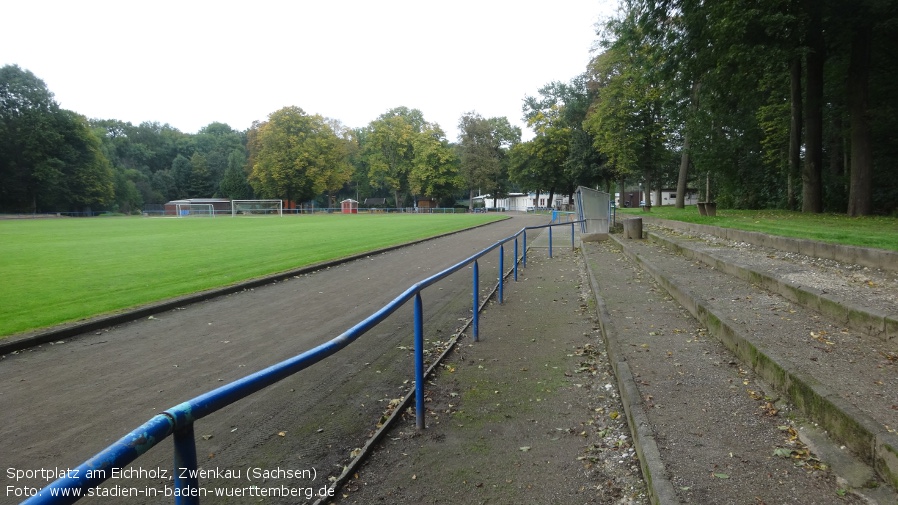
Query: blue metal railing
[[178, 421], [565, 216]]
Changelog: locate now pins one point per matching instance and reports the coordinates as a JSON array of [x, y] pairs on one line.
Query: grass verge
[[870, 231]]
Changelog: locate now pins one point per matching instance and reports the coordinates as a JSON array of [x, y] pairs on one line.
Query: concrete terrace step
[[864, 256], [670, 371], [868, 311]]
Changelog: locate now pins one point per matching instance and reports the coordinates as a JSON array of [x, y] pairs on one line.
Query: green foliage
[[127, 196], [200, 183], [181, 173], [163, 184], [720, 74], [524, 168], [297, 156], [434, 172], [234, 184], [707, 83], [50, 158], [483, 152], [627, 121], [21, 92], [216, 142], [561, 156], [163, 154], [341, 170], [390, 150], [401, 154]]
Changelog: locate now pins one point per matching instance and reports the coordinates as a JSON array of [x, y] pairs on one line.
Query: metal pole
[[516, 259], [572, 236], [187, 482], [475, 322], [419, 362], [550, 241], [524, 252], [501, 272]]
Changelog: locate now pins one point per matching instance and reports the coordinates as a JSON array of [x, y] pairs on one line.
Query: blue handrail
[[178, 421]]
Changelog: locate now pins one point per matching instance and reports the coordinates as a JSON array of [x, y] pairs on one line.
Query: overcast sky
[[189, 63]]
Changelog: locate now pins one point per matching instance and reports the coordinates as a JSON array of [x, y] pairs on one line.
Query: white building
[[668, 197], [522, 201]]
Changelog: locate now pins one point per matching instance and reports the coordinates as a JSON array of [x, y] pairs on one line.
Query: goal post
[[195, 209], [257, 207]]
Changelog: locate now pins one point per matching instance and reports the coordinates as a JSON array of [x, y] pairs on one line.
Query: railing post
[[185, 457], [475, 322], [516, 259], [572, 236], [501, 273], [524, 252], [550, 241], [419, 362]]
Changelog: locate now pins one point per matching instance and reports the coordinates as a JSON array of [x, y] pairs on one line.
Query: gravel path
[[529, 414]]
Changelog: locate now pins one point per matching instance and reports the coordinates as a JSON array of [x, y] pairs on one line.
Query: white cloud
[[192, 62]]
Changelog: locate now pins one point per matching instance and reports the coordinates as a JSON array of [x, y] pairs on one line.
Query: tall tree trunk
[[646, 193], [684, 168], [837, 165], [860, 195], [812, 175], [708, 187], [471, 200], [794, 130], [683, 178], [790, 189]]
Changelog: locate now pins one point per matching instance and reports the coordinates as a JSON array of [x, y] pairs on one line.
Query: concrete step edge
[[866, 437]]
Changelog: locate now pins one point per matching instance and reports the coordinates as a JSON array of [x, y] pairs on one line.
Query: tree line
[[54, 160], [779, 103], [768, 104]]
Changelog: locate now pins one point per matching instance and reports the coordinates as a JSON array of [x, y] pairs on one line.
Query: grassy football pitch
[[58, 270]]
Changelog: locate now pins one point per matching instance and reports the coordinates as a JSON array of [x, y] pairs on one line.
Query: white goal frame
[[195, 210], [257, 206]]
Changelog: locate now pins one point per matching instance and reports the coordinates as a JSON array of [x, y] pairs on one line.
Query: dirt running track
[[62, 403]]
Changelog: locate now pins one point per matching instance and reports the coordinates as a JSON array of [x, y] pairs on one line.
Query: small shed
[[350, 206]]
